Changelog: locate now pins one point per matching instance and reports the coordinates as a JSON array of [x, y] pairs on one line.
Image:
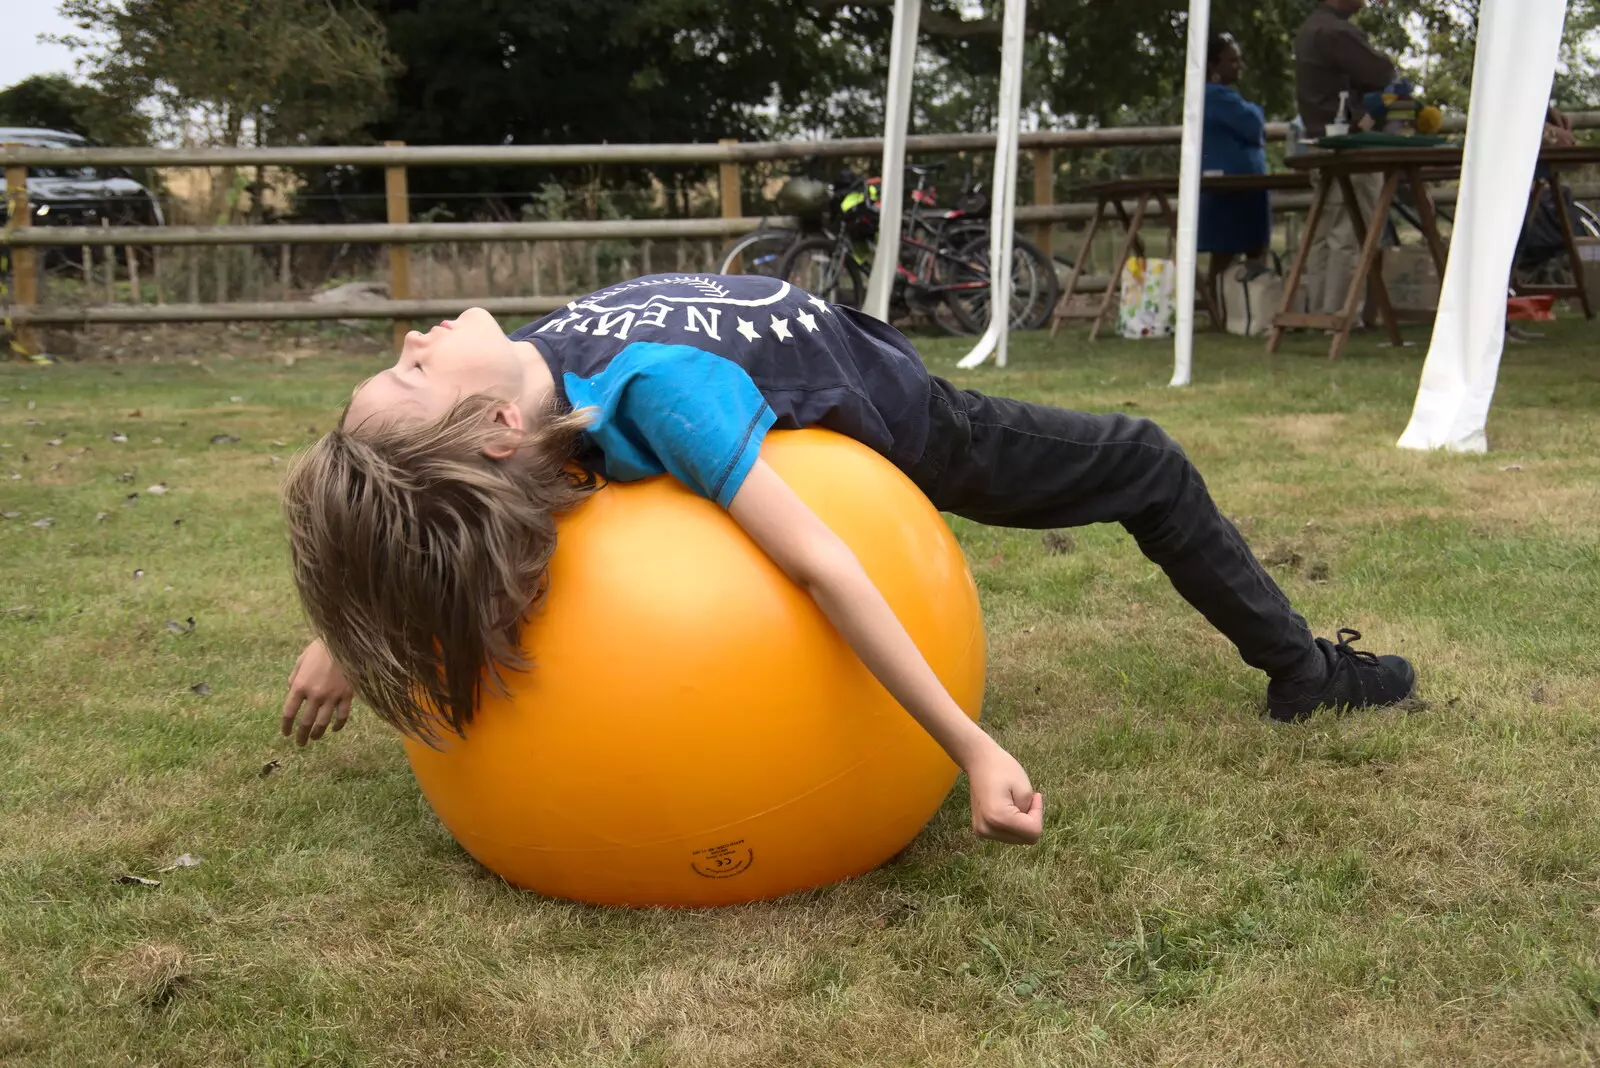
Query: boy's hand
[[1005, 806], [317, 684]]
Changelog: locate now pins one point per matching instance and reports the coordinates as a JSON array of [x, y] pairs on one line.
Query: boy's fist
[[1005, 806]]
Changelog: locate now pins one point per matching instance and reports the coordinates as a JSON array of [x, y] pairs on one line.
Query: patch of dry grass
[[1416, 888]]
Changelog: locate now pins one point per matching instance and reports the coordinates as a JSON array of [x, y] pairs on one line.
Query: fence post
[[729, 182], [1044, 194], [394, 187], [24, 266]]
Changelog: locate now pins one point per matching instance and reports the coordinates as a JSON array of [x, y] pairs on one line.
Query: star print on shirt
[[821, 304], [748, 329], [780, 329], [807, 320]]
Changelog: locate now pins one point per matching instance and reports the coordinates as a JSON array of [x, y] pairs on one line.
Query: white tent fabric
[[1194, 113], [896, 115], [1518, 41], [1003, 210]]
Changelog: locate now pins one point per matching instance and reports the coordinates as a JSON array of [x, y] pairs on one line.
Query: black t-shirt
[[816, 364]]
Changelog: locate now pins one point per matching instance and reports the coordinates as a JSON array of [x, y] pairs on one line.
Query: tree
[[576, 71], [56, 102], [1434, 41], [589, 71], [242, 70]]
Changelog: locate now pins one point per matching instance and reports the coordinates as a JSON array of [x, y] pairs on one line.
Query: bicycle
[[942, 273], [761, 251]]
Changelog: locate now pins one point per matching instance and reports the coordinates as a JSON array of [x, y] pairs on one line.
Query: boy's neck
[[538, 383]]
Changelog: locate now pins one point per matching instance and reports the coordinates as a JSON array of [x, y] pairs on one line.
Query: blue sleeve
[[1230, 112], [679, 410]]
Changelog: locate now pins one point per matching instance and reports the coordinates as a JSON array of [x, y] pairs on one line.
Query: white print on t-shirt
[[602, 315]]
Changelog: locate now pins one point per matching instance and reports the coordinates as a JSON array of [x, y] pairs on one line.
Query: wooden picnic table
[[1111, 198], [1552, 161], [1419, 168]]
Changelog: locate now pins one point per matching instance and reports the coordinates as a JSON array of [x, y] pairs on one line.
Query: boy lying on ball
[[449, 468]]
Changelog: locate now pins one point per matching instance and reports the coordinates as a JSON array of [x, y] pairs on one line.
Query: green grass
[[1416, 888]]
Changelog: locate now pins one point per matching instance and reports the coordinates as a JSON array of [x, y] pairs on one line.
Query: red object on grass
[[1536, 309]]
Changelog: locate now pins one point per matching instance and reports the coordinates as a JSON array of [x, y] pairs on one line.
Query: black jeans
[[1011, 464]]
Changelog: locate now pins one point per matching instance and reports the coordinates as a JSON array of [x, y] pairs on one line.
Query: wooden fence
[[523, 242]]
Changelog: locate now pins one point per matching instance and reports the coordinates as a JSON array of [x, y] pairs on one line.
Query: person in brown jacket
[[1333, 57]]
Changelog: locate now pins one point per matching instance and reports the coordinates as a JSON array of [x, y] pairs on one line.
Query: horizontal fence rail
[[598, 230], [292, 310], [21, 306], [387, 233], [572, 155]]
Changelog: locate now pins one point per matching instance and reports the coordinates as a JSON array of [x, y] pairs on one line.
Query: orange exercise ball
[[693, 731]]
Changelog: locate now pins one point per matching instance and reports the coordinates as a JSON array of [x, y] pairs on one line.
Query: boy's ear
[[504, 447]]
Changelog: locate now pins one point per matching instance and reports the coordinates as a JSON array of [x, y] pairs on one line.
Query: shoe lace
[[1343, 647]]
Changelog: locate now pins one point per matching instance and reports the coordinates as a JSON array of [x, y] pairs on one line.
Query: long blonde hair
[[416, 556]]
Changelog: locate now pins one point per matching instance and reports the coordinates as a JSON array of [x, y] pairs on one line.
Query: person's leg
[[1009, 463], [1220, 261], [1343, 248], [1319, 255], [1344, 243]]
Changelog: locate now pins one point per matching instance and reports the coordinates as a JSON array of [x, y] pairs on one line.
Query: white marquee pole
[[896, 116], [1002, 215], [1518, 41], [1194, 114]]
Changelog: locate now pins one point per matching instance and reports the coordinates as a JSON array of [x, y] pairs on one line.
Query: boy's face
[[459, 357]]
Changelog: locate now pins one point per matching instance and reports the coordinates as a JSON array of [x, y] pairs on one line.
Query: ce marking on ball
[[723, 861]]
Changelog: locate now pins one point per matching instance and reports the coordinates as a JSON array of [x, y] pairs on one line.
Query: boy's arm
[[1004, 804]]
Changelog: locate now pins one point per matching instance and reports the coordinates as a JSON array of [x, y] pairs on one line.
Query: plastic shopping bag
[[1149, 298]]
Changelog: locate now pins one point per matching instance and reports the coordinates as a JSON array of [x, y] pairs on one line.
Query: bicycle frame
[[925, 241]]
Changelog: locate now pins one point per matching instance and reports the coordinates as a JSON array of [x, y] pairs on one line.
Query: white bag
[[1250, 296], [1149, 298]]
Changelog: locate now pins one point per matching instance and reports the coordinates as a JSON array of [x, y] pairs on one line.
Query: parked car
[[80, 195]]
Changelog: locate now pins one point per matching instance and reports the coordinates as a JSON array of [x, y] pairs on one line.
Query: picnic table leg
[[1377, 285], [1429, 218], [1128, 223], [1118, 262], [1579, 282], [1369, 251], [1291, 285], [1065, 300], [1377, 288], [1380, 290]]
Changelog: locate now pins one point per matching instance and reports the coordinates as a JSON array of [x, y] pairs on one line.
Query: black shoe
[[1355, 678]]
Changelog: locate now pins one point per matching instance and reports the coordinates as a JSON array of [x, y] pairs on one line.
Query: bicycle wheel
[[758, 252], [963, 282], [1585, 223], [1034, 285], [824, 267]]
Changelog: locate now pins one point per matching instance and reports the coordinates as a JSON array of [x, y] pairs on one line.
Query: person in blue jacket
[[1235, 142]]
